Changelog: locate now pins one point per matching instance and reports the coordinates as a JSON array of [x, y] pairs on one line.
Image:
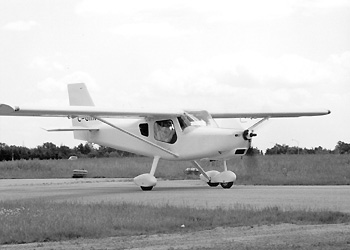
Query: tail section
[[80, 96]]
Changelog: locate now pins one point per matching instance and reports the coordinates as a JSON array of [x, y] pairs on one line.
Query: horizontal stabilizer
[[71, 129]]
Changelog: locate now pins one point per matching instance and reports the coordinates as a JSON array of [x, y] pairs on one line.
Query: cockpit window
[[164, 131], [196, 118], [144, 129]]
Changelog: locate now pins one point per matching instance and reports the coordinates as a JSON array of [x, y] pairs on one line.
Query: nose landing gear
[[213, 178]]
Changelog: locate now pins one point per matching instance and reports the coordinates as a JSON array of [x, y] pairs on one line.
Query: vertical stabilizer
[[79, 95]]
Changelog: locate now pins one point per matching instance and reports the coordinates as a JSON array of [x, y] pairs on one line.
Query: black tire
[[146, 188], [213, 184], [227, 184]]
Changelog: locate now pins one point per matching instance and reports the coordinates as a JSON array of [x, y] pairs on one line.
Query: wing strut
[[258, 123], [137, 137]]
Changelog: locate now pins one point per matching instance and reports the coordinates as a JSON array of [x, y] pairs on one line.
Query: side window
[[164, 131], [144, 129]]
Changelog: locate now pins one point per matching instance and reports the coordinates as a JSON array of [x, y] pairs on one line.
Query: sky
[[213, 55]]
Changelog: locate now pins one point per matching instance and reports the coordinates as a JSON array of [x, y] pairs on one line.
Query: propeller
[[250, 161], [250, 165], [248, 134]]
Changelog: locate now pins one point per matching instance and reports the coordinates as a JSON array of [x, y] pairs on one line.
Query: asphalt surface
[[192, 193]]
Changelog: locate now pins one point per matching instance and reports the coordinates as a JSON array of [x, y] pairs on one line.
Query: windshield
[[196, 118]]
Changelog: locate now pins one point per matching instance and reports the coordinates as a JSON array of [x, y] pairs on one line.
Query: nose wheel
[[226, 184], [213, 178], [144, 188], [213, 184]]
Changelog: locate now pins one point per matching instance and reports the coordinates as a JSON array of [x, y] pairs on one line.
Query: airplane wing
[[270, 114], [72, 111]]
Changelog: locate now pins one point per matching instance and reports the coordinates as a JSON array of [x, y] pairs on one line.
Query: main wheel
[[213, 184], [227, 184], [146, 188]]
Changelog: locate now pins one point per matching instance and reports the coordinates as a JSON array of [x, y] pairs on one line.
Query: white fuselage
[[191, 142]]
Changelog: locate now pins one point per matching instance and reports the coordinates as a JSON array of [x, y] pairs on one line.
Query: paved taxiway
[[193, 193]]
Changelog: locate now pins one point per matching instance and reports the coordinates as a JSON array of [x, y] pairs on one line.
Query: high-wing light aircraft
[[176, 135]]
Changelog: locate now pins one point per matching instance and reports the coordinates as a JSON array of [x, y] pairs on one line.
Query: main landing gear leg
[[148, 181], [225, 165]]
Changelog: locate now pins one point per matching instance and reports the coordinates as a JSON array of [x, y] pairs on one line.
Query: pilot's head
[[166, 123]]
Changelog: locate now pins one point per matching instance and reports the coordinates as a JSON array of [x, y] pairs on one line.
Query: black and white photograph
[[149, 124]]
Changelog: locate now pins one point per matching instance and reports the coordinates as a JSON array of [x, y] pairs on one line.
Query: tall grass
[[293, 170], [258, 170], [39, 221]]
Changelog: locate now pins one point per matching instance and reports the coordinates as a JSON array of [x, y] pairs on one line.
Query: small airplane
[[175, 135]]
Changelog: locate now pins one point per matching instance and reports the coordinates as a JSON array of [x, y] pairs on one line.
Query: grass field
[[41, 221], [328, 169]]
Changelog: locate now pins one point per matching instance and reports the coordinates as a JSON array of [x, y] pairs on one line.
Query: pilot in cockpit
[[164, 131]]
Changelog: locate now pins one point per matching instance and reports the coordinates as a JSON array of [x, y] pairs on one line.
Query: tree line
[[50, 151], [340, 148]]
